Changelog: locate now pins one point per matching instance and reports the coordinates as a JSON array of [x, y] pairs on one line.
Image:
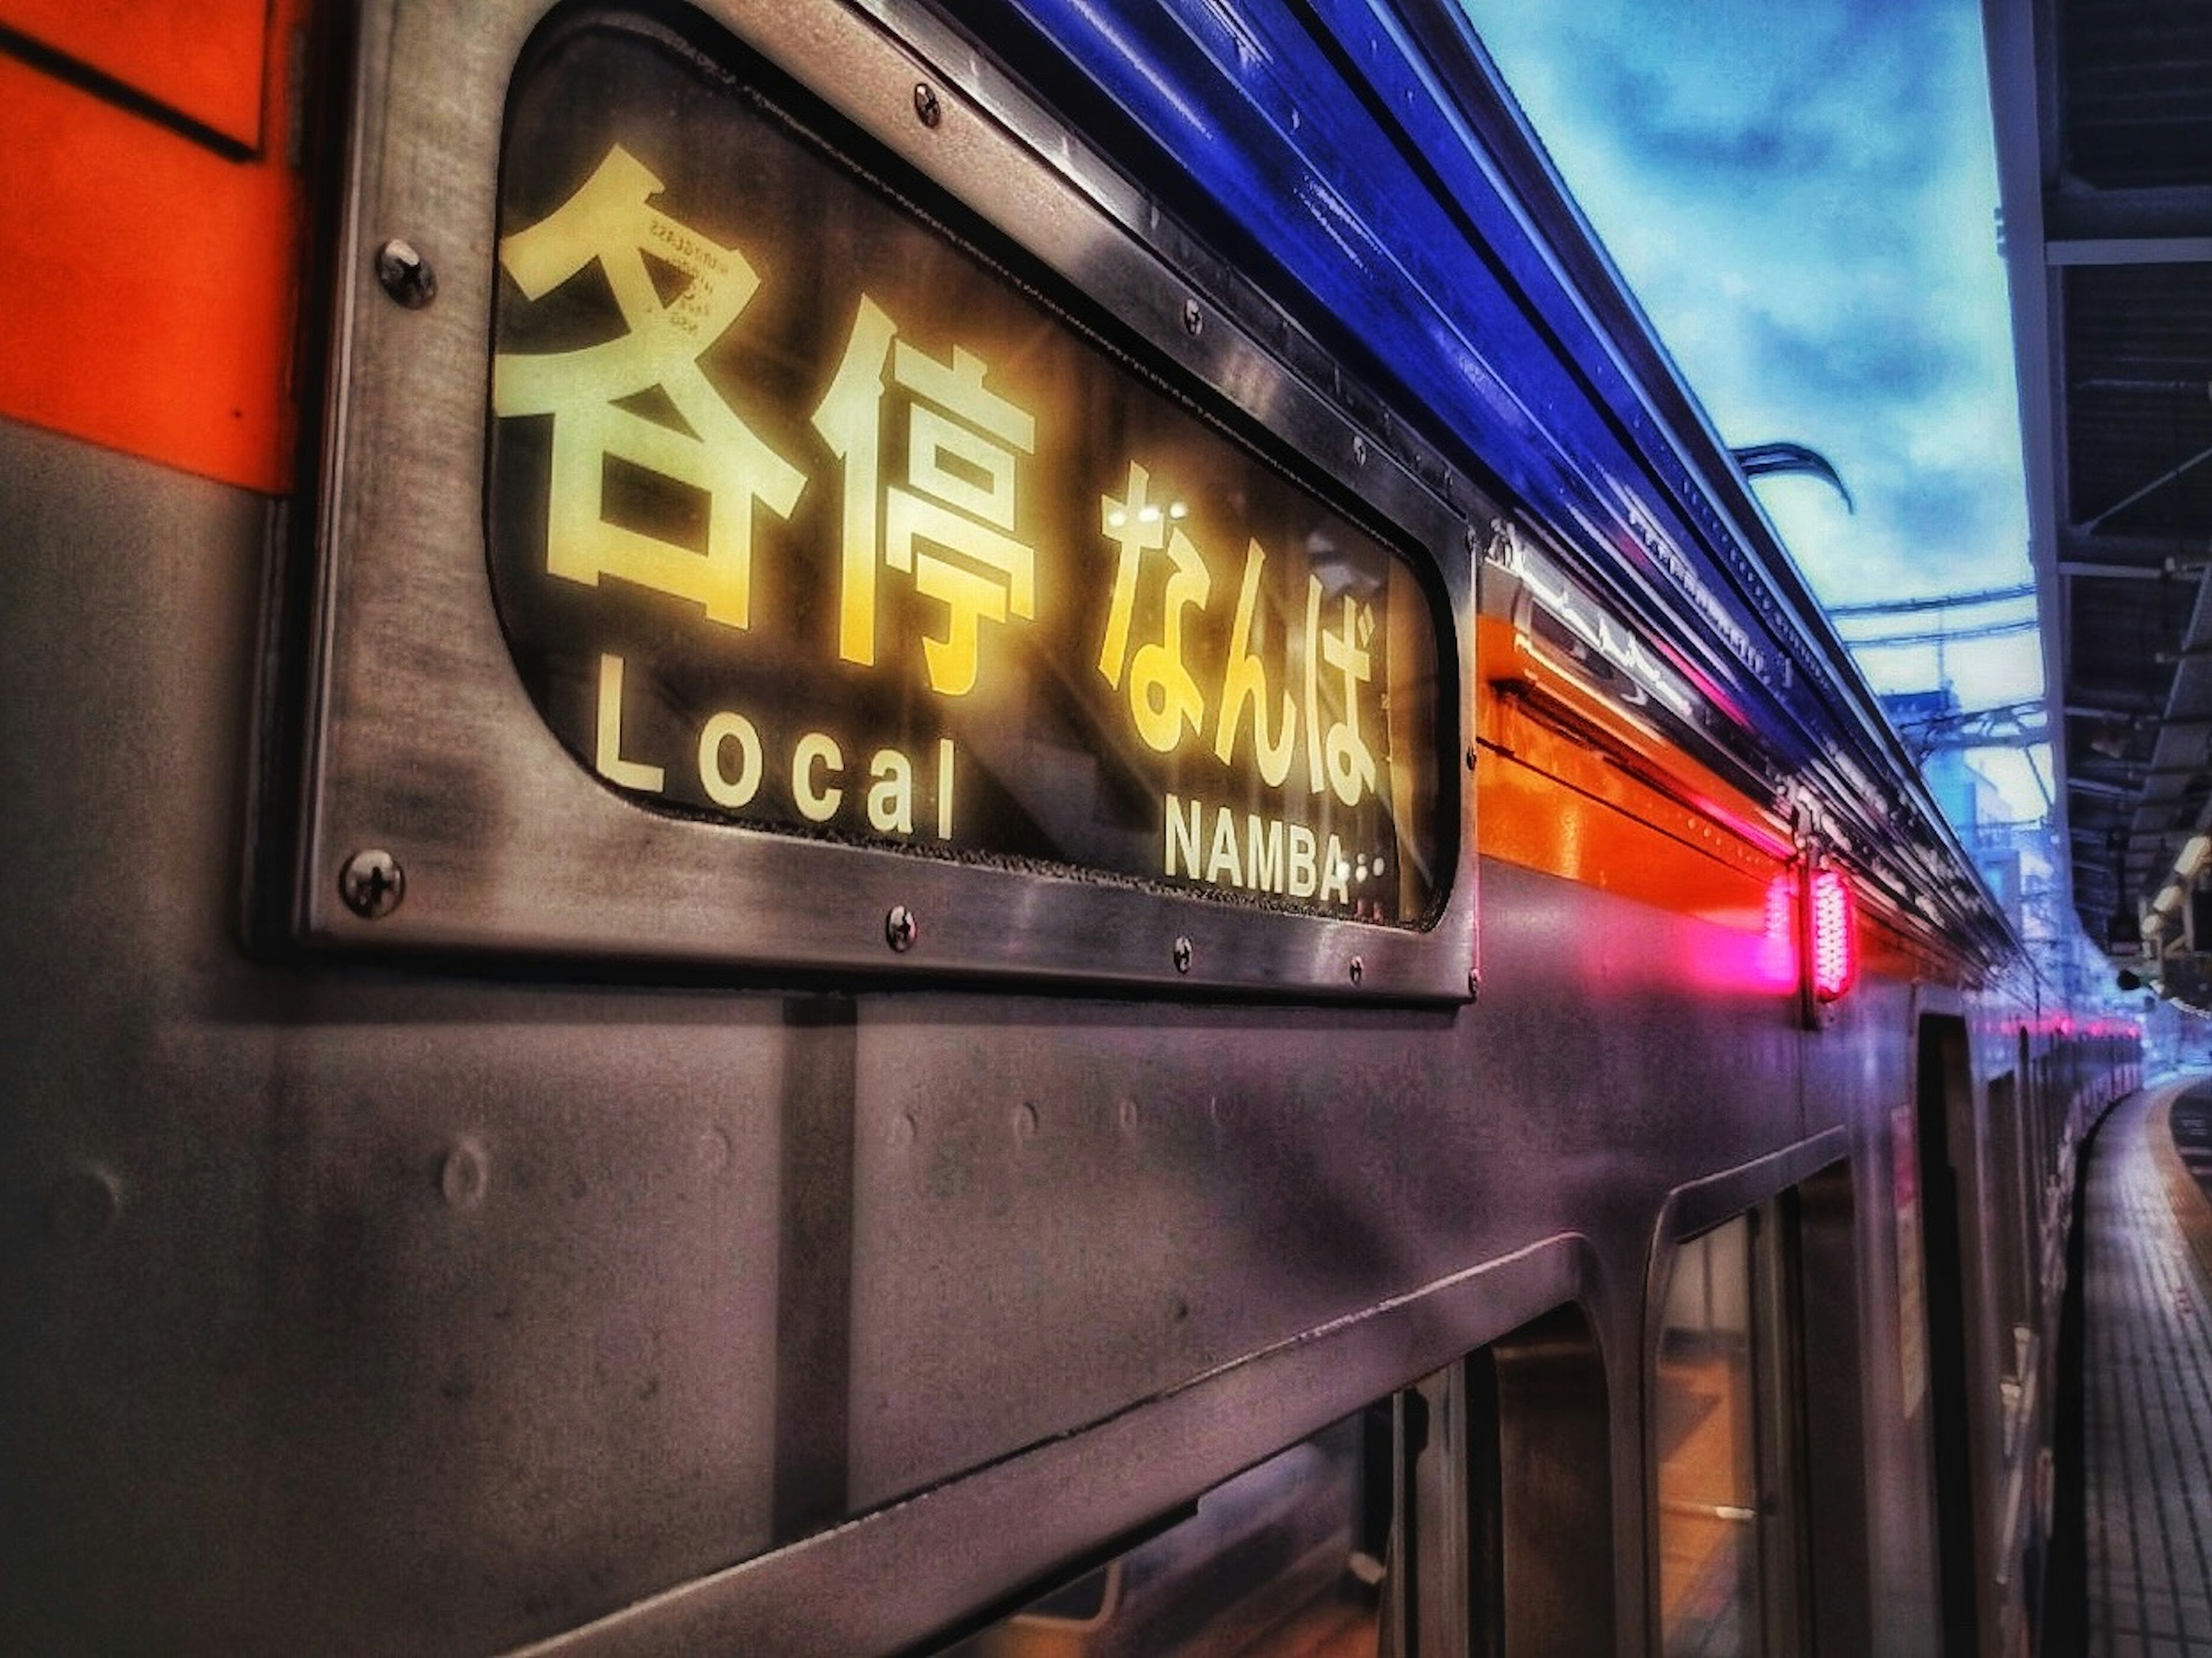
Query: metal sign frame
[[441, 813]]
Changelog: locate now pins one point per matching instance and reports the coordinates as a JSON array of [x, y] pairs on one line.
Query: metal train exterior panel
[[601, 1220]]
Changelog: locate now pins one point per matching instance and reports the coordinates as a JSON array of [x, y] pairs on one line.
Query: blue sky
[[1803, 198]]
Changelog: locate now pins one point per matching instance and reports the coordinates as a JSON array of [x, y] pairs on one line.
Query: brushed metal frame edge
[[410, 666], [1700, 1204]]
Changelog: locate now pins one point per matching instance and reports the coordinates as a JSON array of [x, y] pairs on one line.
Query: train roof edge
[[1562, 227], [1366, 159]]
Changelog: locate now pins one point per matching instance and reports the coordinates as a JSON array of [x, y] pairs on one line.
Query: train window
[[1727, 1555], [1471, 1513], [1293, 1556], [1304, 1556], [1940, 1142]]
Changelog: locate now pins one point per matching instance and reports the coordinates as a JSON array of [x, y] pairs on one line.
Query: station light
[[1835, 944]]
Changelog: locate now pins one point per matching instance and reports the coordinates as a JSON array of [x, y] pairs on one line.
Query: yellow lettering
[[1263, 853], [1183, 834], [1221, 866], [850, 420], [610, 221], [969, 599], [1245, 682], [1337, 755], [958, 495], [630, 774], [965, 508], [1304, 876], [890, 802], [816, 751], [1351, 764], [1313, 772], [945, 788], [1163, 698], [1135, 525], [1336, 873], [721, 730]]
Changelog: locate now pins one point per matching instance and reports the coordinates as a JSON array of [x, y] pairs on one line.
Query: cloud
[[1880, 353], [1801, 197]]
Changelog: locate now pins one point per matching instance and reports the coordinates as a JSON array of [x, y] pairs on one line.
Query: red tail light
[[1835, 935]]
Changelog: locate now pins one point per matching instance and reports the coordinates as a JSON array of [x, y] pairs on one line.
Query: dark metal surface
[[2102, 114]]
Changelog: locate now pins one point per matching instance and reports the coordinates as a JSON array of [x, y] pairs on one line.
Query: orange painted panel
[[1548, 799], [1540, 823], [203, 59], [1561, 727], [157, 282], [1545, 801]]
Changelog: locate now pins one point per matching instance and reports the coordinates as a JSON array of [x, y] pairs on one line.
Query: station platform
[[2147, 1380]]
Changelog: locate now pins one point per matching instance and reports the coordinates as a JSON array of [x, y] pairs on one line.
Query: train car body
[[825, 814]]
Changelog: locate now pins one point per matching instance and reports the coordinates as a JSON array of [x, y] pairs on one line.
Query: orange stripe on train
[[155, 248]]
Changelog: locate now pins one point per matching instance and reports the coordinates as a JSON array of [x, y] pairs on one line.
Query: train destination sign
[[804, 516]]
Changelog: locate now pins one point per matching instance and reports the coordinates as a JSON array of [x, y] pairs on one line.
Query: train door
[[1821, 1272], [1943, 1103], [1727, 1466], [1543, 1560], [1760, 1541]]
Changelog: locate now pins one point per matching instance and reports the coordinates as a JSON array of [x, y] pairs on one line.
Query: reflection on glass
[[1706, 1429], [1287, 1560]]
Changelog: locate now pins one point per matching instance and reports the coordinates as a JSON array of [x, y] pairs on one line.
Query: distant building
[[2013, 857], [1969, 800]]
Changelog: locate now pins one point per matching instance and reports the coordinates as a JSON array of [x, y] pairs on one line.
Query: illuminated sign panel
[[803, 516]]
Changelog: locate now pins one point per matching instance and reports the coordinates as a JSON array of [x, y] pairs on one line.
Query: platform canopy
[[2104, 133]]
